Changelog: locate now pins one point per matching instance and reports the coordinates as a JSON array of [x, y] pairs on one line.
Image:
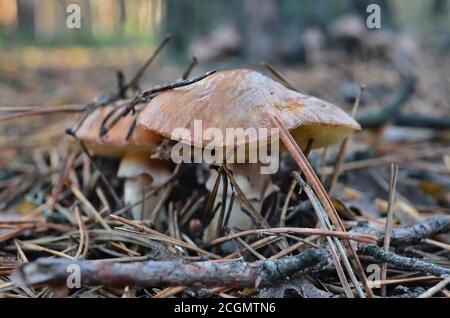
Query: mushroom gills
[[321, 134]]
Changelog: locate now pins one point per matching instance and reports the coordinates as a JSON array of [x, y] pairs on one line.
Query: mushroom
[[349, 30], [257, 187], [140, 171], [244, 98]]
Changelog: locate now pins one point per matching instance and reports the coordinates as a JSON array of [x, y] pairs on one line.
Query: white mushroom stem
[[254, 185], [142, 174]]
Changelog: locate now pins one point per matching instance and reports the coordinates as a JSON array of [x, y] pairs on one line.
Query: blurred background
[[247, 28], [42, 61]]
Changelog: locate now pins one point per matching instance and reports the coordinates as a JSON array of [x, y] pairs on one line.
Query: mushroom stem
[[134, 191], [238, 218], [256, 186], [142, 174]]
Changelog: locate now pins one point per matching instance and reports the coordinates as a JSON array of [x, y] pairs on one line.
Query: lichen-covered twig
[[411, 234], [407, 263], [150, 274]]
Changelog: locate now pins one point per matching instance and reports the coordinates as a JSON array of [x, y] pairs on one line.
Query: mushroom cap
[[243, 98], [348, 27], [115, 143]]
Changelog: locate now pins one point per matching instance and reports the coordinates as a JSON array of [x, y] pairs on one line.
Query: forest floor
[[55, 204]]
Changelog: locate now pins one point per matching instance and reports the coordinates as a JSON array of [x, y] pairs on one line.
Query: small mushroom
[[349, 31], [244, 98], [256, 187], [140, 171]]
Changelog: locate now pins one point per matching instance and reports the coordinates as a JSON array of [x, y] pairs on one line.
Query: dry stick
[[20, 252], [86, 238], [158, 208], [390, 111], [397, 158], [296, 230], [406, 280], [36, 111], [151, 274], [256, 215], [37, 248], [295, 246], [250, 249], [168, 86], [285, 207], [210, 203], [222, 216], [389, 220], [433, 290], [230, 208], [187, 216], [146, 232], [255, 245], [81, 228], [119, 92], [442, 245], [102, 129], [411, 234], [286, 203], [68, 161], [90, 208], [407, 263], [312, 178], [341, 155], [135, 79], [322, 216], [101, 196], [132, 127], [149, 94], [57, 108], [94, 164], [191, 66], [280, 77], [169, 292], [385, 185]]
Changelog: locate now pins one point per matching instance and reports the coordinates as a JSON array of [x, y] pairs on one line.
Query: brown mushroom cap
[[115, 143], [242, 98]]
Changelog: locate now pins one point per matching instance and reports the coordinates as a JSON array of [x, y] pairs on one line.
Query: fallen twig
[[343, 147], [189, 69], [433, 290], [280, 77], [404, 262], [334, 243], [7, 265], [94, 164], [390, 111], [389, 221], [150, 274], [411, 234], [296, 230], [322, 195]]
